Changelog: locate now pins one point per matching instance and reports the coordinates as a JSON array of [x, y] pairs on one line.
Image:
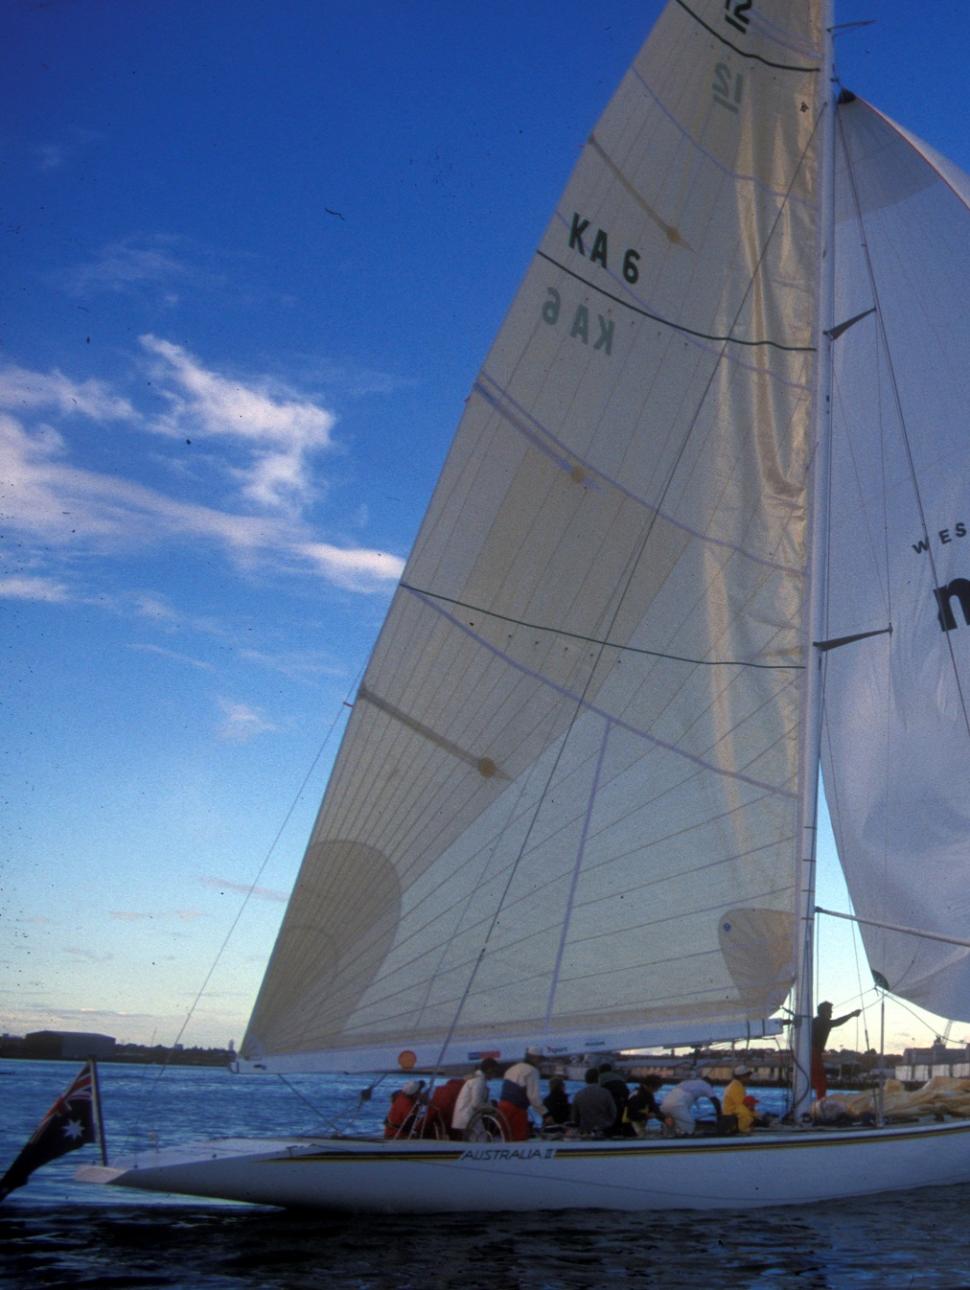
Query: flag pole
[[99, 1118]]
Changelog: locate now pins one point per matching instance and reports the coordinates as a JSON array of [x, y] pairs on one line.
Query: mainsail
[[896, 712], [565, 810]]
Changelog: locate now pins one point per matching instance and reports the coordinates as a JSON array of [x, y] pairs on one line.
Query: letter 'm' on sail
[[565, 808], [897, 742]]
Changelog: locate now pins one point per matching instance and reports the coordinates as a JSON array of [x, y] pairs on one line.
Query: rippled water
[[57, 1232]]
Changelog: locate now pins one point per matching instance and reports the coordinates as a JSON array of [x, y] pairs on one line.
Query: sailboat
[[702, 529]]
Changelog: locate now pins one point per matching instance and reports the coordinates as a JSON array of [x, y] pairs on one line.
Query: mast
[[812, 723]]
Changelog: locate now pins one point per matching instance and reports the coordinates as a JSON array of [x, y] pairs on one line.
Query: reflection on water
[[56, 1232], [917, 1240]]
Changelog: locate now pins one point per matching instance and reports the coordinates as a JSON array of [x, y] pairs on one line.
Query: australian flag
[[68, 1124]]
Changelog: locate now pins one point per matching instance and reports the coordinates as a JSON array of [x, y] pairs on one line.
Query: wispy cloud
[[258, 893], [131, 264], [46, 589], [279, 432], [23, 390], [295, 666], [264, 438], [50, 156], [87, 954], [356, 568], [141, 916], [241, 723], [173, 655]]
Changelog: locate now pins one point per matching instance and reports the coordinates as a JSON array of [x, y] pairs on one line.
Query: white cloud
[[22, 390], [279, 431], [157, 609], [241, 722], [356, 568], [46, 589], [47, 499]]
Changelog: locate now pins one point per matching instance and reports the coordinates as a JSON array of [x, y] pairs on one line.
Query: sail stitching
[[688, 331], [577, 867], [595, 640], [782, 67], [592, 707], [711, 157], [567, 463]]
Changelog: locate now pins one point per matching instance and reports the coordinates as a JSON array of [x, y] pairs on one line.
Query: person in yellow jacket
[[735, 1103]]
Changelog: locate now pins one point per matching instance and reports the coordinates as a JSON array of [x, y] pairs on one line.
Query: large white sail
[[897, 745], [565, 808]]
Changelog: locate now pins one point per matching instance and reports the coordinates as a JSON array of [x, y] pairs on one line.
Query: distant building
[[72, 1044], [921, 1064]]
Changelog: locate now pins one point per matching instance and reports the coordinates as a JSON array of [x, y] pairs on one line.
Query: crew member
[[520, 1090]]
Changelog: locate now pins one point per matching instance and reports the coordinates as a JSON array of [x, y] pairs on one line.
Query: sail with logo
[[575, 802], [897, 727]]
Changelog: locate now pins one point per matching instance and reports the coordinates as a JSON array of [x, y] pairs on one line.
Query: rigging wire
[[252, 887]]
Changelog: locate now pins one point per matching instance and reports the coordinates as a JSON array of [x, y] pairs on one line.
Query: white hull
[[783, 1168]]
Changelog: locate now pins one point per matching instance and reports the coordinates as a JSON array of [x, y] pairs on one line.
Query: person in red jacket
[[405, 1104], [441, 1108]]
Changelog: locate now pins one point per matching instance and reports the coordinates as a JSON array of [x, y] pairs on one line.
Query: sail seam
[[567, 462], [595, 640], [689, 331], [782, 67], [577, 868], [591, 707], [715, 161]]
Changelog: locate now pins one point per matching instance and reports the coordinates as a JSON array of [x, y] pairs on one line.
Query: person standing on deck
[[520, 1090], [823, 1023]]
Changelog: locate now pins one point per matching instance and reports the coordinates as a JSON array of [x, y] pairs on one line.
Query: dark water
[[57, 1232]]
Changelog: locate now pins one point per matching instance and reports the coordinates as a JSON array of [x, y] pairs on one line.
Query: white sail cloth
[[565, 809], [897, 734]]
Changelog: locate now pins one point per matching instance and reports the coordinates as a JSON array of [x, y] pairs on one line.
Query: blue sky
[[254, 255]]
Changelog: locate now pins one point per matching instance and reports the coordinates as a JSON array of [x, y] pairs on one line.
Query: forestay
[[565, 808], [898, 737]]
